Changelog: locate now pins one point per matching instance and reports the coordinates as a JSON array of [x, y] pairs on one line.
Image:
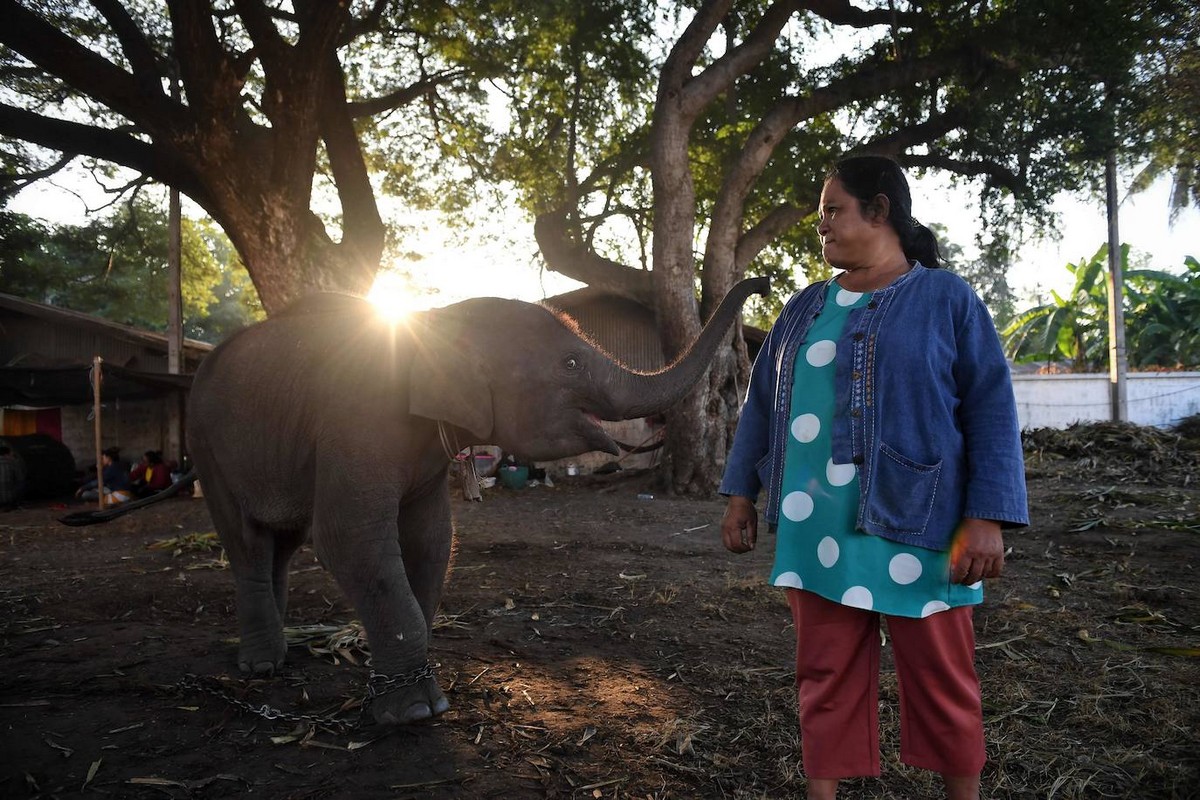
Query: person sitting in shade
[[150, 475], [116, 481], [12, 478]]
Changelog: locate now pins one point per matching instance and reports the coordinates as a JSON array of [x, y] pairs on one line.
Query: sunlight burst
[[393, 296]]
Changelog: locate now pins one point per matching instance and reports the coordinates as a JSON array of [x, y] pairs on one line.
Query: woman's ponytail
[[920, 244]]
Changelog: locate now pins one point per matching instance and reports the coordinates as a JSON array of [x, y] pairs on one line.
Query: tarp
[[44, 387]]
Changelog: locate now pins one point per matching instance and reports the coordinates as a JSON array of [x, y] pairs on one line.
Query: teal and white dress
[[817, 546]]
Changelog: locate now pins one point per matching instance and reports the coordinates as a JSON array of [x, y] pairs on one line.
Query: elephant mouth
[[595, 435]]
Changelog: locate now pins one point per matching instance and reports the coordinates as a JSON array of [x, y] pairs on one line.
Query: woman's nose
[[822, 227]]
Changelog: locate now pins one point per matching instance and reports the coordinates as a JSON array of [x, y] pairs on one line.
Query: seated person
[[12, 478], [150, 475], [116, 481]]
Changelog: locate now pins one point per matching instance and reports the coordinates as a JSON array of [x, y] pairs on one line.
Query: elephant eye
[[573, 364]]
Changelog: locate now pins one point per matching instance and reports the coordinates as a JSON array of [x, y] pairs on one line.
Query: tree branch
[[840, 12], [212, 81], [677, 69], [271, 47], [146, 65], [930, 130], [778, 220], [996, 172], [59, 55], [73, 138], [363, 230], [726, 244], [701, 90], [11, 183], [404, 95], [566, 254]]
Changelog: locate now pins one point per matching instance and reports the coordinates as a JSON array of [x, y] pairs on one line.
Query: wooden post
[[174, 304], [96, 428]]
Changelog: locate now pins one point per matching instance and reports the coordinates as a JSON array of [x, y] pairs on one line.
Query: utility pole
[[1118, 364]]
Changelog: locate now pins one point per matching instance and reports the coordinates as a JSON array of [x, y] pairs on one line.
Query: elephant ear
[[447, 382]]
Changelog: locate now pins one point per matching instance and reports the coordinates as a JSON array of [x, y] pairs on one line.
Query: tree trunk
[[699, 429]]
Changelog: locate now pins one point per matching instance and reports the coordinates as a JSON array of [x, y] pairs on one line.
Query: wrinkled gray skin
[[320, 422]]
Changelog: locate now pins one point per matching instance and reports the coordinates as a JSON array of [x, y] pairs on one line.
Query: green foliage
[[1160, 310], [116, 267], [1164, 308], [1171, 121]]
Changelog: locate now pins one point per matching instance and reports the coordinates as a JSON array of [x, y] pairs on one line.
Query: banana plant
[[1070, 330], [1160, 309]]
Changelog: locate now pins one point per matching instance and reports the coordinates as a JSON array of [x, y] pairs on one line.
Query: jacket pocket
[[902, 491]]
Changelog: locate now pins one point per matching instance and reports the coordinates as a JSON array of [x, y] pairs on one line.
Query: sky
[[1082, 227], [508, 268]]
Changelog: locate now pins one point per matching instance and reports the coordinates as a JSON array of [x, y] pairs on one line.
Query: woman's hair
[[867, 177]]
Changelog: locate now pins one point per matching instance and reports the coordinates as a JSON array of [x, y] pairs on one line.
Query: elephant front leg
[[367, 564], [426, 542]]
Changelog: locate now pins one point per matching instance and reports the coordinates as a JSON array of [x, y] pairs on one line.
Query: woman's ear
[[447, 382], [879, 208]]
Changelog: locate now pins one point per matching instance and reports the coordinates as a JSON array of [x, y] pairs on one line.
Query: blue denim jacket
[[924, 406]]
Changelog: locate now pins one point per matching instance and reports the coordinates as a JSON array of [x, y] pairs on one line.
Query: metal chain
[[378, 684]]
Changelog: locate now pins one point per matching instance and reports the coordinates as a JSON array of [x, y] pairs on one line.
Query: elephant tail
[[94, 517]]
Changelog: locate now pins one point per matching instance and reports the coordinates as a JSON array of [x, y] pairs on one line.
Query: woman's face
[[848, 238]]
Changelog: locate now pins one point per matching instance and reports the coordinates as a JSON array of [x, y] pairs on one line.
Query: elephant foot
[[262, 657], [406, 703]]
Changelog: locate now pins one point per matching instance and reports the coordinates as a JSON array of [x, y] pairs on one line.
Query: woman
[[880, 419], [150, 475]]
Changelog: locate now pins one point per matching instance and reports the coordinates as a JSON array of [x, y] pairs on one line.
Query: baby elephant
[[329, 422]]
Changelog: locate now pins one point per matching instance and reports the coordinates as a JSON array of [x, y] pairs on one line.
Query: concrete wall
[[134, 426], [1160, 399]]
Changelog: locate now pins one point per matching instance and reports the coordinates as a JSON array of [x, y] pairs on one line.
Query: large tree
[[698, 132], [719, 151], [268, 105]]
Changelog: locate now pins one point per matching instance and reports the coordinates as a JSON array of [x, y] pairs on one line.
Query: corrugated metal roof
[[35, 335], [79, 321]]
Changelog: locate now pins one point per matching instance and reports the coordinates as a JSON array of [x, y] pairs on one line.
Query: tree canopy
[[247, 108], [662, 149]]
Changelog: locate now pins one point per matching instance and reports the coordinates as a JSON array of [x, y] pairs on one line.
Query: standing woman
[[880, 419]]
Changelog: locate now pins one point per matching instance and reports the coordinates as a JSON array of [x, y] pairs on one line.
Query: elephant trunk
[[636, 394]]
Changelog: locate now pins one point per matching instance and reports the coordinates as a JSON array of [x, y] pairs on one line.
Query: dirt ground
[[594, 644]]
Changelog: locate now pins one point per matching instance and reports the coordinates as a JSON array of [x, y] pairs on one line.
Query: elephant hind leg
[[262, 588], [286, 545], [256, 563]]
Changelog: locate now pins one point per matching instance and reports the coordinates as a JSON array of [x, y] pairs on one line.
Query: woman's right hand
[[739, 527]]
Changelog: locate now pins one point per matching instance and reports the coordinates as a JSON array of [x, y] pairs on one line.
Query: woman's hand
[[739, 527], [977, 551]]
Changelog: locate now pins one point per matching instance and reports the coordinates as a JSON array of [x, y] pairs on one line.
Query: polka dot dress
[[817, 547]]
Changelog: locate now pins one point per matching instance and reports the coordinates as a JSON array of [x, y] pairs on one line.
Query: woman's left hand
[[977, 551]]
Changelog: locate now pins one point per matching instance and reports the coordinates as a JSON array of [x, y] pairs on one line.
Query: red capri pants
[[837, 676]]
